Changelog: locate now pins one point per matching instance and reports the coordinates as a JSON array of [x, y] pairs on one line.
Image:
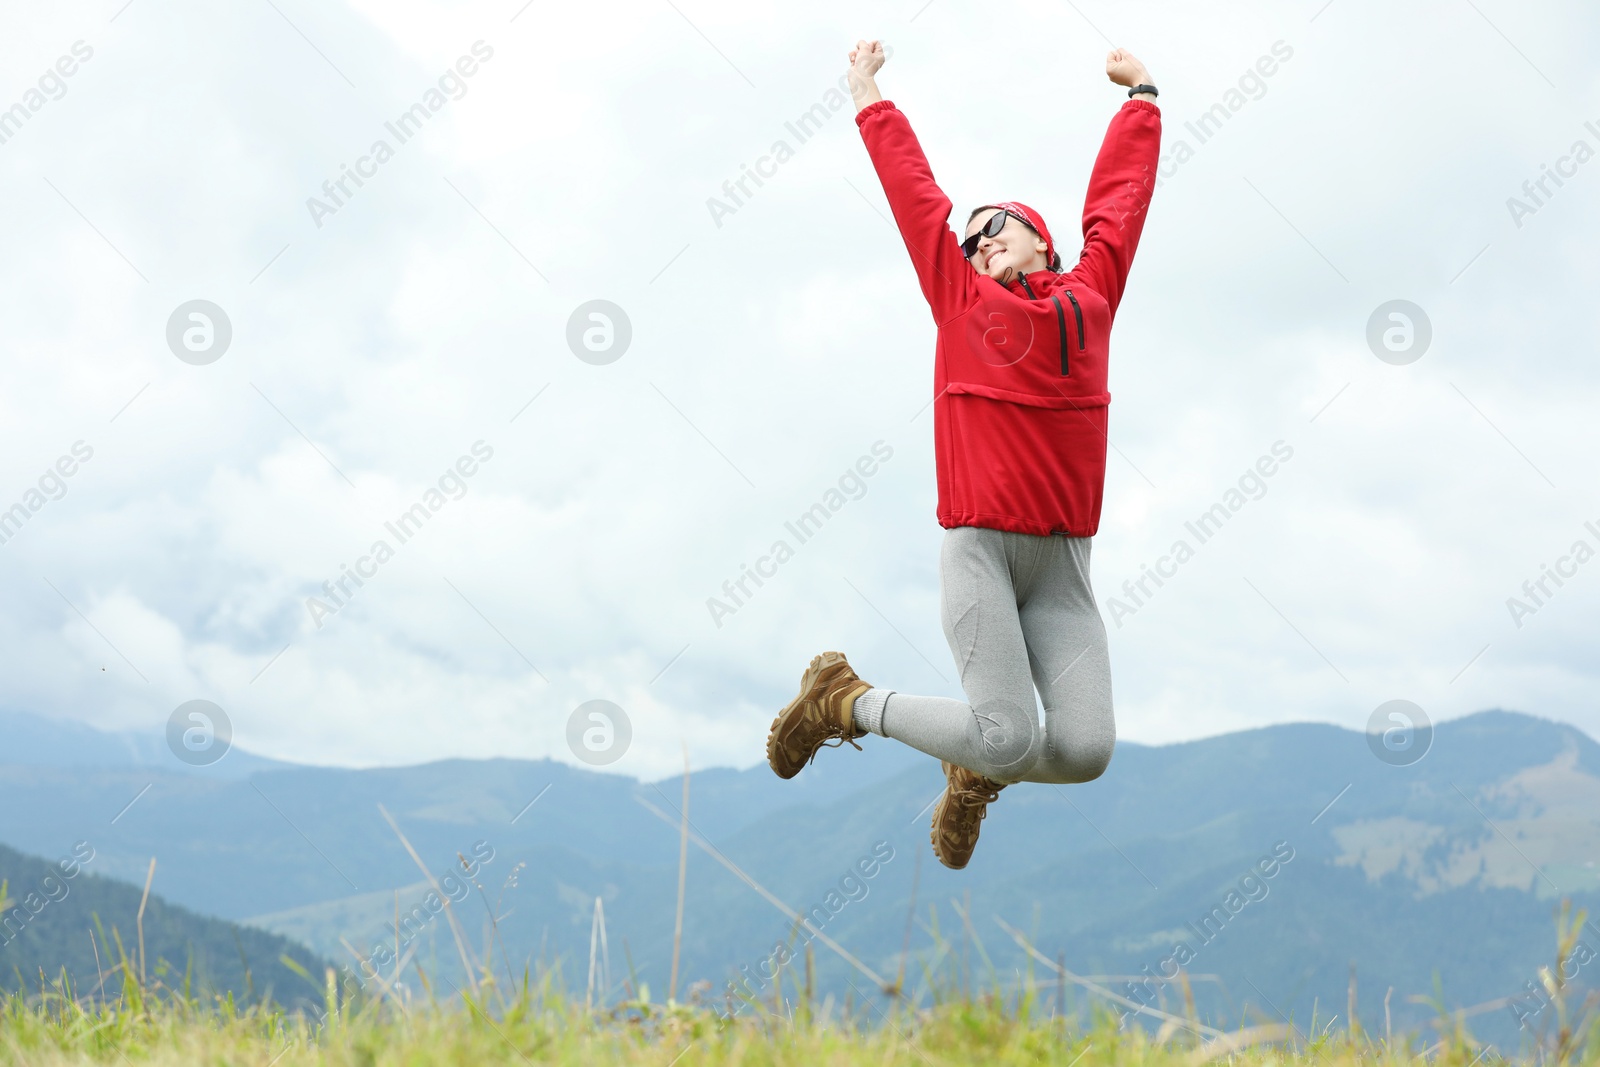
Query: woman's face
[[1015, 249]]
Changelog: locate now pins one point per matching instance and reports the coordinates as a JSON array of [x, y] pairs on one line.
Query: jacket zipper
[[1061, 325], [1061, 321], [1078, 314]]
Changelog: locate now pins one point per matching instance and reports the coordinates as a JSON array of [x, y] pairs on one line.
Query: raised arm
[[1124, 176], [921, 210]]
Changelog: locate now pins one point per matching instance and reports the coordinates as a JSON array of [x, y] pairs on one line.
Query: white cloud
[[769, 355]]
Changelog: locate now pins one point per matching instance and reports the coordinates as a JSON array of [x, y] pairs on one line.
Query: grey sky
[[771, 347]]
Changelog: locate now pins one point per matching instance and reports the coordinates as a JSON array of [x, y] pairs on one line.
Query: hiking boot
[[818, 716], [966, 800]]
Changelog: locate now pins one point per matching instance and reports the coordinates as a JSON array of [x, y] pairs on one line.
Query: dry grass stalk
[[710, 850], [683, 871], [148, 878], [449, 912]]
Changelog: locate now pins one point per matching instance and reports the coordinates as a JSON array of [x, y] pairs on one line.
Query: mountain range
[[1280, 859]]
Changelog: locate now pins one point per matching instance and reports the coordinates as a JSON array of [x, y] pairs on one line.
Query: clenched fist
[[1124, 68], [866, 59]]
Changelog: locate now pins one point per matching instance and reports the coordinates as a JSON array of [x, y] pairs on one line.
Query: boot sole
[[933, 832], [808, 684]]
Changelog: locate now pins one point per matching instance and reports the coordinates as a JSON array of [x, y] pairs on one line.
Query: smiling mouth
[[990, 257]]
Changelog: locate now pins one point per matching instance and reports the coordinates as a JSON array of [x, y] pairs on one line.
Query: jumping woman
[[1020, 403]]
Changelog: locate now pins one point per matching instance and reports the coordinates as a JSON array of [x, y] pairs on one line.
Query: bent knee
[[1075, 763], [1012, 759], [1012, 740], [1088, 762]]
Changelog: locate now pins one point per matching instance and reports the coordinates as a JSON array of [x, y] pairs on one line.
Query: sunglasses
[[991, 228]]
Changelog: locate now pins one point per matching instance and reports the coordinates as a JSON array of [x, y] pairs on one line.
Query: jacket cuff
[[1143, 105], [888, 105]]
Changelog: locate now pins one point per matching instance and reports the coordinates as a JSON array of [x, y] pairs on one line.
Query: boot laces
[[976, 797], [834, 738]]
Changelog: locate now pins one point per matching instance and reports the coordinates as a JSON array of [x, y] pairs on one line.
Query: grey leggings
[[1018, 613]]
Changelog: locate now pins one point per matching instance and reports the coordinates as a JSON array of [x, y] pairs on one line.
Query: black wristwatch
[[1137, 89]]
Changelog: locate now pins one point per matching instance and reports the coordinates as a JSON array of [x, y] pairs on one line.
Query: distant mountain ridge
[[34, 741], [61, 917], [1392, 865]]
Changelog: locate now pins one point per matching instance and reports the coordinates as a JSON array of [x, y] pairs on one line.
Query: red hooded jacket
[[1019, 374]]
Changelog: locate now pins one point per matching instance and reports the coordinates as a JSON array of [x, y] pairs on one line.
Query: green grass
[[538, 1023], [131, 1019], [41, 1031]]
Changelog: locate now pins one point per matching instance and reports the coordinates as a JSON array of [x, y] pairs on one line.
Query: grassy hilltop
[[950, 1016]]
